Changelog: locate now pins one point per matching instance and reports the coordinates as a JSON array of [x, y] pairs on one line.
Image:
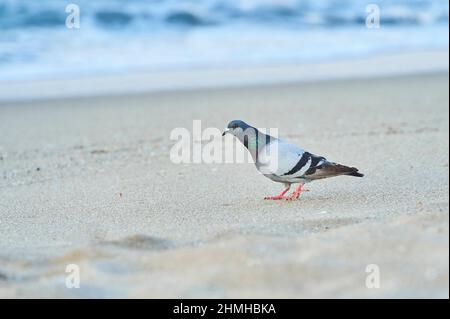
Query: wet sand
[[88, 181]]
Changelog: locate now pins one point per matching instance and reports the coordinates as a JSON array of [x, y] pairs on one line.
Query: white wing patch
[[286, 162], [279, 157]]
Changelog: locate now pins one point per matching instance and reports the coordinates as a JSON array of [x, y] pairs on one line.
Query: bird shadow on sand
[[316, 199]]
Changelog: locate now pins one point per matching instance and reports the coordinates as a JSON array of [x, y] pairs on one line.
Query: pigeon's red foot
[[296, 194]]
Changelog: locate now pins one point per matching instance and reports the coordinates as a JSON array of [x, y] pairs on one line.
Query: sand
[[145, 81], [88, 181]]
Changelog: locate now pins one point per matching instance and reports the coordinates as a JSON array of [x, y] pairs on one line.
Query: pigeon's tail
[[356, 174], [330, 169], [349, 171]]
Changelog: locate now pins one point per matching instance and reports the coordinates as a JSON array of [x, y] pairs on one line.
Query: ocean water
[[118, 36]]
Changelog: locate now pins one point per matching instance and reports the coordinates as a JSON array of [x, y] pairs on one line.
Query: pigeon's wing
[[286, 161]]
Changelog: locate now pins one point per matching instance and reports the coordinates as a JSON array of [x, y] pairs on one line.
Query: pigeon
[[284, 162]]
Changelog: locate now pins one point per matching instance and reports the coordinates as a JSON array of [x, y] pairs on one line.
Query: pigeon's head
[[236, 128]]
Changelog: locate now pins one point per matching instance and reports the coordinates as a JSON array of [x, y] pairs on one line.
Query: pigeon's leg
[[296, 194], [281, 196]]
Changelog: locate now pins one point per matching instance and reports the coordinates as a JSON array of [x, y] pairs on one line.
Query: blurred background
[[117, 36]]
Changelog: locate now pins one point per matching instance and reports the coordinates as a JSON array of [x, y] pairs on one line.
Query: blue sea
[[117, 36]]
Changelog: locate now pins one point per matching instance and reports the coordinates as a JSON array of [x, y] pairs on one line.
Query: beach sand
[[88, 181]]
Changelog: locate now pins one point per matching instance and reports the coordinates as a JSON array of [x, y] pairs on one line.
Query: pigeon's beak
[[227, 130]]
